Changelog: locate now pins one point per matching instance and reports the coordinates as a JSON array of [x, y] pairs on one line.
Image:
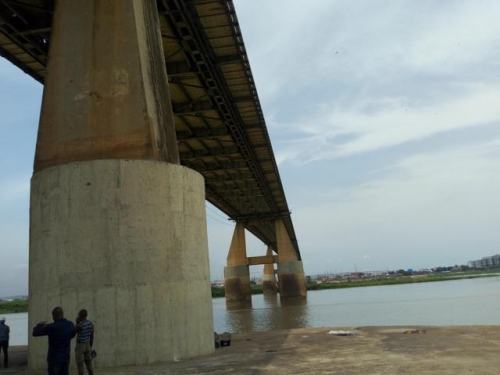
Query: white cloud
[[432, 209], [299, 49], [457, 38], [395, 122]]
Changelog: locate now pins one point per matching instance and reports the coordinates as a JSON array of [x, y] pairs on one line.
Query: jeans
[[4, 346], [82, 355], [61, 368]]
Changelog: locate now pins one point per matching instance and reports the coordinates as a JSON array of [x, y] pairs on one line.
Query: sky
[[384, 118]]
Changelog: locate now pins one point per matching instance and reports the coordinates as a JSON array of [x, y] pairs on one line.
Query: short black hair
[[57, 313], [83, 313]]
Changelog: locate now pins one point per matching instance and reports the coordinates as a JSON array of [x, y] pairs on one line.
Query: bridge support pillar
[[269, 285], [292, 283], [237, 272], [116, 225]]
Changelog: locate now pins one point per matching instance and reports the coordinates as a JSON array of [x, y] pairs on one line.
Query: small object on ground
[[343, 333], [413, 331], [225, 339], [216, 340]]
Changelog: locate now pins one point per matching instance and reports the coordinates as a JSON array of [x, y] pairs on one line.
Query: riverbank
[[399, 280], [373, 350], [19, 306], [379, 281], [13, 307]]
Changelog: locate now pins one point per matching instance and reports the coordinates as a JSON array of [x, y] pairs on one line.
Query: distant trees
[[16, 306]]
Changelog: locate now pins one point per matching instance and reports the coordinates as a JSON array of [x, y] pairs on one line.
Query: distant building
[[486, 262]]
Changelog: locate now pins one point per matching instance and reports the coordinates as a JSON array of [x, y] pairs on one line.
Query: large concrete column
[[291, 277], [116, 226], [125, 239], [106, 91], [269, 285], [237, 273]]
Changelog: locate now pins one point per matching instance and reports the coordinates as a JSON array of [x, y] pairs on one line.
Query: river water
[[458, 302]]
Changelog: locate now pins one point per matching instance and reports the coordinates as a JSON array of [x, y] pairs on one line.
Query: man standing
[[60, 334], [84, 342], [4, 341]]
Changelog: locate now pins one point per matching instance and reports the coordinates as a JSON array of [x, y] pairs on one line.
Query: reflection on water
[[269, 312], [457, 302], [293, 313]]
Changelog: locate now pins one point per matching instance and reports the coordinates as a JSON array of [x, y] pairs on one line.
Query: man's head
[[57, 313], [2, 320], [82, 315]]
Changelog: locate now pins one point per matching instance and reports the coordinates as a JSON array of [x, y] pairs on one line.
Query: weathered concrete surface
[[376, 350], [269, 285], [237, 284], [106, 90], [291, 278], [127, 240], [237, 272]]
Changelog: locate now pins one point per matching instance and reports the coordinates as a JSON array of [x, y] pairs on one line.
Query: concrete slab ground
[[375, 350]]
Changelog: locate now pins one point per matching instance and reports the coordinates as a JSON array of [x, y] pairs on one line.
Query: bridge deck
[[218, 118]]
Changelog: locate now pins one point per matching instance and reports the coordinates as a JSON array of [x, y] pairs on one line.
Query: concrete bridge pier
[[116, 225], [269, 285], [237, 272], [292, 283]]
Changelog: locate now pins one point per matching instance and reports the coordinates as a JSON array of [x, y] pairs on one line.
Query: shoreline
[[431, 350], [21, 306], [361, 283]]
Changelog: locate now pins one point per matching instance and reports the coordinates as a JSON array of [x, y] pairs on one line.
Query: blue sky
[[384, 118]]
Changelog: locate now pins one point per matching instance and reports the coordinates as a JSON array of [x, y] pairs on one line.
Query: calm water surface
[[18, 324], [458, 302]]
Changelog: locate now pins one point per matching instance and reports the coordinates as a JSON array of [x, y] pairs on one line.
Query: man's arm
[[40, 329], [92, 336]]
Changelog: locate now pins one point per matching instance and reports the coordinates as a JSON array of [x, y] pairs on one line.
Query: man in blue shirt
[[60, 334], [4, 341]]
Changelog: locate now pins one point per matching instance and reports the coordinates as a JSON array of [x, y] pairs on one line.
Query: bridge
[[105, 100], [221, 130]]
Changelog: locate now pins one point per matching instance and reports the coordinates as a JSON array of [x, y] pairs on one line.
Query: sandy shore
[[374, 350]]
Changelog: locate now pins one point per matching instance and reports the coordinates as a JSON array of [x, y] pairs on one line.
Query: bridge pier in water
[[291, 279], [269, 285], [237, 272], [117, 226]]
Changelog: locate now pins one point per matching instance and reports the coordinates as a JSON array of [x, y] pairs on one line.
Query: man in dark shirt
[[60, 334], [4, 341]]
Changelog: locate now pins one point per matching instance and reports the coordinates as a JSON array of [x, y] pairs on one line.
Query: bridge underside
[[141, 100], [220, 127]]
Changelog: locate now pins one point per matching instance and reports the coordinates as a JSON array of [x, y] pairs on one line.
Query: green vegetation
[[256, 289], [406, 279], [218, 291], [396, 278], [11, 307]]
